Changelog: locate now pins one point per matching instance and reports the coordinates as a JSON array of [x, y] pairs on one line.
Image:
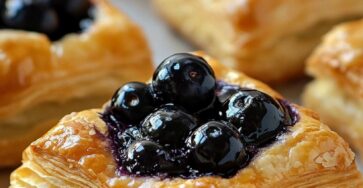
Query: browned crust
[[34, 72], [340, 57], [76, 153], [258, 41]]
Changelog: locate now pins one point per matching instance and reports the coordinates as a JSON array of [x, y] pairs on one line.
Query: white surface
[[165, 42]]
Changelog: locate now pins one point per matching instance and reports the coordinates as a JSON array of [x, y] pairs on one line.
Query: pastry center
[[55, 18], [186, 124]]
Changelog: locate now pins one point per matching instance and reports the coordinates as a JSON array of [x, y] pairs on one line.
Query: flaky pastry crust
[[337, 92], [76, 153], [41, 81], [340, 57], [267, 39]]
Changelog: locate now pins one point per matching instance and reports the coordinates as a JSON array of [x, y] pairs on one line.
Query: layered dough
[[337, 109], [76, 153], [267, 39], [41, 81], [337, 92]]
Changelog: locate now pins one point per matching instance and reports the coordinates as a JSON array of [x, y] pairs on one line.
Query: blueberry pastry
[[59, 56], [337, 91], [257, 36], [197, 124]]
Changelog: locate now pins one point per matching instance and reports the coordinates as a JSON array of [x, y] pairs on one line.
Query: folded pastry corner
[[42, 80], [258, 36], [337, 90], [288, 147]]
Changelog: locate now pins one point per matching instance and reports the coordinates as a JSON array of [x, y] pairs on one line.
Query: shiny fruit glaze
[[186, 124], [55, 18]]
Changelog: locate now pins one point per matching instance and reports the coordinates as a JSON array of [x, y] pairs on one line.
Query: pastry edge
[[309, 148]]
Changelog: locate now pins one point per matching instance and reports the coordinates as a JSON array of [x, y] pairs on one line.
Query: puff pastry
[[337, 91], [258, 36], [41, 81], [76, 153]]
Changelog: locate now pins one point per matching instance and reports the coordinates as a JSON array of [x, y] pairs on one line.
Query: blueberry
[[2, 10], [226, 91], [76, 15], [132, 102], [2, 6], [147, 157], [216, 147], [30, 15], [168, 126], [186, 80], [57, 4], [214, 112], [258, 117], [54, 18], [128, 136], [73, 8]]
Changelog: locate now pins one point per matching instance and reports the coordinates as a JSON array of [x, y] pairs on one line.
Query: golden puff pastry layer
[[267, 39], [76, 153], [337, 92], [41, 81]]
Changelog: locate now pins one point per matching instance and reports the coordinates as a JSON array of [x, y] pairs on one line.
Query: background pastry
[[41, 80], [131, 144], [267, 39], [337, 91]]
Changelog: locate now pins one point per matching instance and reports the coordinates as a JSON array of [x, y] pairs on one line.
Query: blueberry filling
[[55, 18], [186, 124]]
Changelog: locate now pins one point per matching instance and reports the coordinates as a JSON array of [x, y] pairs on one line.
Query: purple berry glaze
[[177, 161]]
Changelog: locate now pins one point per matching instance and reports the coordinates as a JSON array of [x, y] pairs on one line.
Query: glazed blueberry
[[54, 18], [147, 157], [258, 117], [216, 147], [30, 15], [168, 126], [213, 112], [132, 102], [186, 80], [75, 14], [128, 136], [2, 5], [187, 125], [2, 8], [77, 8], [224, 92]]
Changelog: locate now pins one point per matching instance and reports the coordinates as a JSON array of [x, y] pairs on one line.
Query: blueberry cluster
[[54, 18], [187, 124]]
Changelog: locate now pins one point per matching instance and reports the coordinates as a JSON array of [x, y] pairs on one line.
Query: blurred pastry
[[77, 54], [192, 126], [337, 91], [267, 39]]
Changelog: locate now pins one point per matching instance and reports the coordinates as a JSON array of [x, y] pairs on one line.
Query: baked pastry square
[[86, 149], [267, 39], [41, 80], [337, 91]]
